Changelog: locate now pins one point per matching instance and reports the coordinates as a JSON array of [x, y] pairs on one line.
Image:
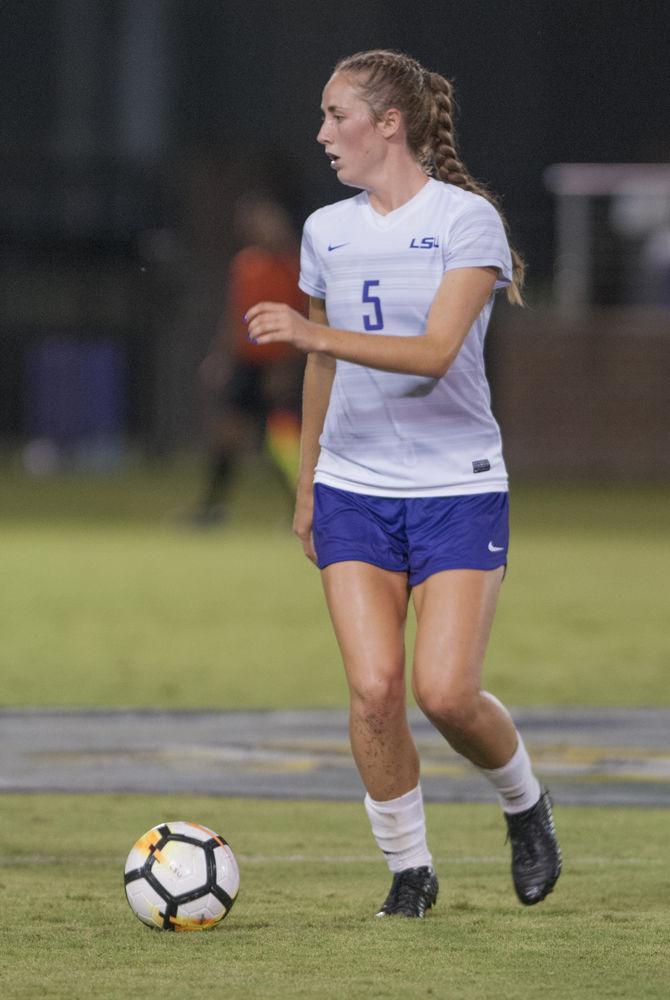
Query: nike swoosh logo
[[496, 548], [337, 246]]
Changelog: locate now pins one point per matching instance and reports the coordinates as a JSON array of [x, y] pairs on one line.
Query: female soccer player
[[403, 488]]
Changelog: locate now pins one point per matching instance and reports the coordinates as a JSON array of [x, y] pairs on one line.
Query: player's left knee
[[456, 710]]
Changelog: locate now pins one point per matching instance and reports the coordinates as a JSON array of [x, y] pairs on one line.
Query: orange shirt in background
[[257, 275]]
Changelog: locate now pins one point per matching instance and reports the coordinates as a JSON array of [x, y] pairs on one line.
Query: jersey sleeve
[[311, 272], [477, 238]]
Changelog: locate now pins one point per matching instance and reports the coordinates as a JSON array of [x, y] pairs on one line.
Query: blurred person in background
[[403, 486], [252, 398]]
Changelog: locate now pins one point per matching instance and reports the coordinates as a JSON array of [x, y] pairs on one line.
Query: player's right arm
[[317, 384]]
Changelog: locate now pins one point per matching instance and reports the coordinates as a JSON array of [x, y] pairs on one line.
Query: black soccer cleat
[[536, 856], [413, 891]]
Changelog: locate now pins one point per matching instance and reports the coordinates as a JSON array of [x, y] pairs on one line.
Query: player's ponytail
[[448, 166], [386, 79]]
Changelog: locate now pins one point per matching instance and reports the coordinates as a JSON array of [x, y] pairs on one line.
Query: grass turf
[[113, 601], [302, 926]]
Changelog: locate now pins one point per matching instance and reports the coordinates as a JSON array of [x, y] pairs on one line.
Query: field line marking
[[468, 860], [315, 859]]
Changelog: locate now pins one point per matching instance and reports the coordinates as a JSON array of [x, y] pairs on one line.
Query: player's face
[[348, 134]]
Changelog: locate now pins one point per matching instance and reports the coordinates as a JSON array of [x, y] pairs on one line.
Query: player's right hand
[[302, 521]]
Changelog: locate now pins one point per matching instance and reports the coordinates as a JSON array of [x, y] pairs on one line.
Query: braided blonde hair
[[386, 79]]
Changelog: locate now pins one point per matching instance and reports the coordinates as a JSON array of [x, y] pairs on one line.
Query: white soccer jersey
[[390, 434]]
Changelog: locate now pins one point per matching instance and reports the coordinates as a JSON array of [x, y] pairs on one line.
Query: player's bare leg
[[368, 607], [455, 612]]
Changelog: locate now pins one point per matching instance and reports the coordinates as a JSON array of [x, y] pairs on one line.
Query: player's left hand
[[272, 322]]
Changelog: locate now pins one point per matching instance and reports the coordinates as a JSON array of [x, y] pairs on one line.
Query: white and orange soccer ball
[[181, 877]]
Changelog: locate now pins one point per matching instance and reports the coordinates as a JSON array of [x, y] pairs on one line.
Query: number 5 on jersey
[[375, 322]]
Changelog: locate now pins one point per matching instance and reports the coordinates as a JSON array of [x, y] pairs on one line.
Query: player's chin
[[347, 179]]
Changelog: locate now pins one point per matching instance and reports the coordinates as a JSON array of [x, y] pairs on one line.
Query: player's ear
[[390, 122]]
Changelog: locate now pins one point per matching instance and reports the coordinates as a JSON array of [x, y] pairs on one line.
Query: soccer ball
[[181, 877]]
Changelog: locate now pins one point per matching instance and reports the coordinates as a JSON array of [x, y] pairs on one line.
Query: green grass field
[[302, 925], [111, 601]]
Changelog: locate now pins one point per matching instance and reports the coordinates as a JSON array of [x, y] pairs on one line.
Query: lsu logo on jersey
[[425, 243]]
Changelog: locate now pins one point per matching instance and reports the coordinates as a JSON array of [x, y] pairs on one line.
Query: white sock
[[399, 827], [516, 786]]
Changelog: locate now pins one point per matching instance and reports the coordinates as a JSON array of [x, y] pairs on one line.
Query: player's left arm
[[462, 295]]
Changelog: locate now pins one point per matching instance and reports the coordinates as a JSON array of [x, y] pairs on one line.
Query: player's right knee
[[382, 692]]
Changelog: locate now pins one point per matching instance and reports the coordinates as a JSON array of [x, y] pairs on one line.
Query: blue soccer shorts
[[418, 536]]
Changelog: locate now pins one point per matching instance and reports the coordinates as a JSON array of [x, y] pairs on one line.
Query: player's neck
[[394, 187]]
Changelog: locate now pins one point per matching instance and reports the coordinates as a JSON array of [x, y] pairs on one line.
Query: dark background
[[128, 127]]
